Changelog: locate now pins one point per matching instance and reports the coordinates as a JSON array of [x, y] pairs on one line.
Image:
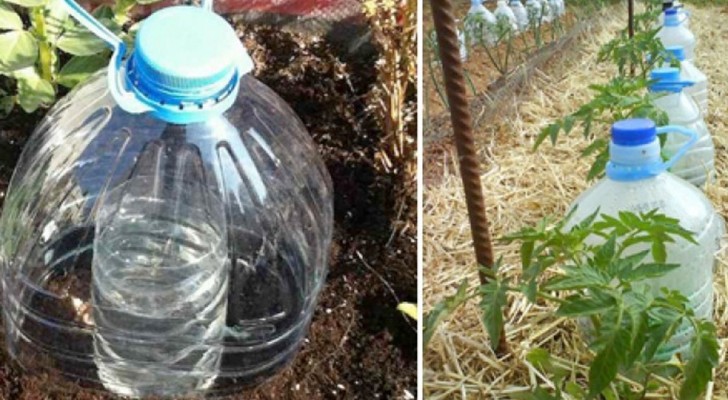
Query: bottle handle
[[693, 138], [127, 100]]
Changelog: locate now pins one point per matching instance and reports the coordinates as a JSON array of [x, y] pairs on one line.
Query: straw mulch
[[523, 186]]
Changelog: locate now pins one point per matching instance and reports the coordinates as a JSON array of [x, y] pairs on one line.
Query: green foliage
[[624, 96], [597, 272], [620, 98], [42, 48]]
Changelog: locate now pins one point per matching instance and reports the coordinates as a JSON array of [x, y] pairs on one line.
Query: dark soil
[[359, 346]]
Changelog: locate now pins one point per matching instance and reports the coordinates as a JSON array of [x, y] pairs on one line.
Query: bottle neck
[[634, 163]]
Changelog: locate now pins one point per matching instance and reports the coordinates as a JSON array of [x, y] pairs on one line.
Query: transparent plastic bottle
[[684, 14], [698, 165], [557, 8], [463, 46], [637, 181], [674, 33], [535, 12], [547, 13], [519, 11], [505, 14], [689, 72], [480, 23], [167, 229]]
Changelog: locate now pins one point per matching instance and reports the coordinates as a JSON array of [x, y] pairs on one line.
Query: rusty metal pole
[[630, 10], [452, 69], [630, 26]]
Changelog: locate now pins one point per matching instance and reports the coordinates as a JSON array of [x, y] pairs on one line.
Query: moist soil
[[359, 346]]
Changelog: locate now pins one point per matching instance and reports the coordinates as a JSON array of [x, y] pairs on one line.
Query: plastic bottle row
[[513, 15]]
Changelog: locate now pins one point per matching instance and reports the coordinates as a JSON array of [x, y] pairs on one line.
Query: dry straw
[[522, 187]]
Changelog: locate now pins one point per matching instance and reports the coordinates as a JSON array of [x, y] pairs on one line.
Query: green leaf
[[615, 343], [442, 310], [575, 278], [699, 370], [649, 270], [28, 3], [580, 306], [526, 254], [551, 131], [9, 19], [78, 69], [18, 49], [492, 302], [659, 253], [78, 41], [33, 91]]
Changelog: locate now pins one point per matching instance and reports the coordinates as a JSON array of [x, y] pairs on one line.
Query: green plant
[[622, 97], [43, 49], [604, 283]]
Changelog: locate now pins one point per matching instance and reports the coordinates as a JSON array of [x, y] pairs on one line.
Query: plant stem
[[45, 53]]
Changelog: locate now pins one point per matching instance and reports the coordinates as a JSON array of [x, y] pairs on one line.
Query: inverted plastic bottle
[[558, 8], [674, 33], [167, 228], [521, 14], [480, 23], [637, 181], [547, 13], [505, 14], [535, 12], [463, 46], [698, 164], [689, 72], [683, 13]]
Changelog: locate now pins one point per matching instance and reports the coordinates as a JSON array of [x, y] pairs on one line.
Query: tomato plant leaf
[[615, 343], [699, 370], [580, 306], [493, 299], [442, 310]]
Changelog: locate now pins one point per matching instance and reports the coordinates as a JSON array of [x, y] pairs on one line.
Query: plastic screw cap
[[634, 132], [184, 54]]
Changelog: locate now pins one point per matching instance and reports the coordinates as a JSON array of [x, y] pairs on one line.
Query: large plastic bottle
[[558, 8], [689, 72], [683, 14], [521, 14], [167, 229], [505, 14], [535, 12], [547, 12], [674, 33], [480, 23], [637, 180], [698, 165]]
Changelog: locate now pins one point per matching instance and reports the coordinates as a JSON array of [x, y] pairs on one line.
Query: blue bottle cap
[[677, 51], [186, 64], [634, 132]]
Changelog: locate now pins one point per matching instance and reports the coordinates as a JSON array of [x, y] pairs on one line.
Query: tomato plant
[[602, 283]]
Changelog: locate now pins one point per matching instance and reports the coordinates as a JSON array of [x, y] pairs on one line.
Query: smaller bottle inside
[[160, 280]]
